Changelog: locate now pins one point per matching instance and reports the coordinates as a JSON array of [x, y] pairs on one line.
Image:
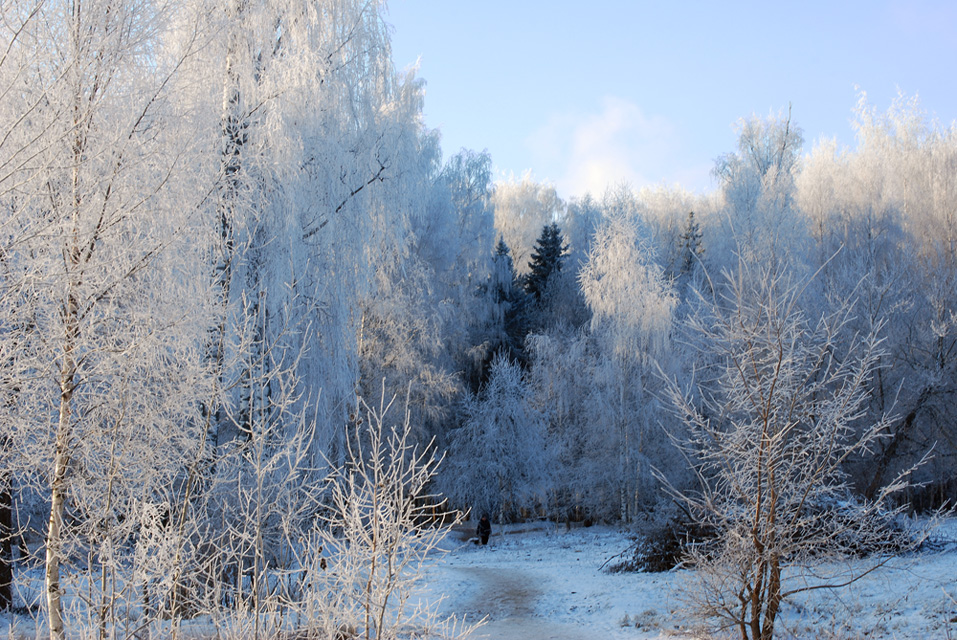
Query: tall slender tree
[[105, 305]]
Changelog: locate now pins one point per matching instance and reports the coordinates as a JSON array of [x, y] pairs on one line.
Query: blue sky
[[595, 92]]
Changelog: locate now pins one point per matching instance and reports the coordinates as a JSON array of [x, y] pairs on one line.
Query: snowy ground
[[548, 583], [541, 582]]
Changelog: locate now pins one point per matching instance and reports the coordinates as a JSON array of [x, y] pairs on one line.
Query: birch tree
[[522, 208], [316, 137], [632, 314], [561, 379], [102, 257], [759, 194]]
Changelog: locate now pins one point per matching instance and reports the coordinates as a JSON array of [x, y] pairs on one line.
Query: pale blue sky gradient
[[591, 93]]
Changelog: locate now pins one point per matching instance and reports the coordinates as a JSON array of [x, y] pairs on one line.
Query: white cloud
[[620, 143]]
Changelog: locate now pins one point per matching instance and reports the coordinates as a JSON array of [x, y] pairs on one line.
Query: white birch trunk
[[61, 460]]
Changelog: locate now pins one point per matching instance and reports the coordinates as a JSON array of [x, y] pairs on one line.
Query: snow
[[542, 582], [537, 582]]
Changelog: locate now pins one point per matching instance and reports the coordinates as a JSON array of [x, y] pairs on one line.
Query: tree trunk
[[54, 532], [774, 600], [61, 460]]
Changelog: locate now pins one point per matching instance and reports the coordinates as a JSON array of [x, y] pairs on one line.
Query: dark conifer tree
[[546, 259]]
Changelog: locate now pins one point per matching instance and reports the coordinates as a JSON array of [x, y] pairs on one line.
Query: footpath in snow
[[547, 584]]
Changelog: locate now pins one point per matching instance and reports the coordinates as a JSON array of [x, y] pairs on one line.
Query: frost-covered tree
[[105, 304], [501, 324], [777, 412], [632, 310], [465, 189], [321, 156], [380, 530], [503, 284], [498, 459], [417, 321], [409, 337], [758, 221], [553, 294], [883, 224], [561, 378], [692, 248], [582, 217]]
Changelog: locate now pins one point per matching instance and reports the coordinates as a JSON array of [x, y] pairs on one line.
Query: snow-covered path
[[509, 599], [548, 584]]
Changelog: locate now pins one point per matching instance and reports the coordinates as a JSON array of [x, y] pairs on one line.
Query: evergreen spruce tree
[[546, 259], [691, 248]]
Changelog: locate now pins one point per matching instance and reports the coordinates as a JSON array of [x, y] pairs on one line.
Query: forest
[[246, 302]]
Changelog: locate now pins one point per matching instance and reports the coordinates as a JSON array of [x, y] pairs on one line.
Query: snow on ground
[[548, 583], [538, 583], [541, 582]]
